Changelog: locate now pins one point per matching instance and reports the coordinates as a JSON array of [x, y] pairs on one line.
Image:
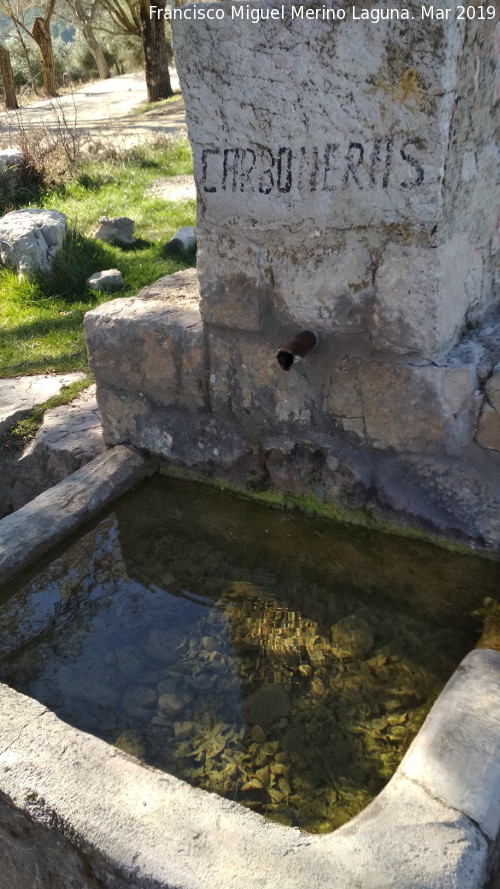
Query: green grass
[[116, 186], [41, 320], [155, 106]]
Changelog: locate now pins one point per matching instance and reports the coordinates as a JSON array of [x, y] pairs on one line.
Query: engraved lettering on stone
[[329, 152], [414, 163], [376, 159], [247, 167], [295, 171], [353, 162], [284, 170], [267, 180], [230, 166], [204, 168]]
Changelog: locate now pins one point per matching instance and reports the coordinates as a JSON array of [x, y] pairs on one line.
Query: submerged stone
[[351, 637], [266, 705]]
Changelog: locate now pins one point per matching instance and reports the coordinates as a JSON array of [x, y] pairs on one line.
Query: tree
[[131, 17], [40, 33], [85, 16], [155, 53], [8, 79]]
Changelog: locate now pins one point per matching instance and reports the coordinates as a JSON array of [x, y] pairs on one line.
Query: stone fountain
[[346, 185]]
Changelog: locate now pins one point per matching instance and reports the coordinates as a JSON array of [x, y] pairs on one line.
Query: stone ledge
[[69, 437], [35, 528], [18, 395], [121, 823]]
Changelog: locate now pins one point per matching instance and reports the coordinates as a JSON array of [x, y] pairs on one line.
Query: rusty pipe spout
[[295, 349]]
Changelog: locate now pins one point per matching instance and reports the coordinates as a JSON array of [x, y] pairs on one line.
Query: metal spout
[[295, 349]]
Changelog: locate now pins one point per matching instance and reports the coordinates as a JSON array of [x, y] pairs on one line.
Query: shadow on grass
[[72, 266], [33, 329], [48, 364], [140, 244], [92, 182], [179, 254], [26, 194]]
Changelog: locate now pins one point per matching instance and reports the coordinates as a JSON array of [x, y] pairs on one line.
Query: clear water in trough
[[277, 659]]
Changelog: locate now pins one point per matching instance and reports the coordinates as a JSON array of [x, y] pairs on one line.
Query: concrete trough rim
[[146, 828], [434, 825]]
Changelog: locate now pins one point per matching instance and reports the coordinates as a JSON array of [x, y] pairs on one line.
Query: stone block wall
[[345, 184], [344, 171]]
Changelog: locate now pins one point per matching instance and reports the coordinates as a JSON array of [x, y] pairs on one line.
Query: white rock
[[107, 280], [184, 239], [117, 230], [30, 238], [10, 158], [11, 166]]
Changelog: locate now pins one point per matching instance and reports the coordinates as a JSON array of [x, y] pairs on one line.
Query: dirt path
[[102, 109]]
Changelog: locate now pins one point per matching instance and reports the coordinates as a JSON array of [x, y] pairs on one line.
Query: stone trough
[[76, 811], [345, 183]]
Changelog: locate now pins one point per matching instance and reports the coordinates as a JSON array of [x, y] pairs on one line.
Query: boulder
[[30, 238], [352, 637], [116, 230], [266, 705], [183, 240], [108, 280]]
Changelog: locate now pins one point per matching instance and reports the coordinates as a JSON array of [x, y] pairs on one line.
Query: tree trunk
[[96, 50], [41, 33], [155, 54], [8, 79], [91, 41], [34, 85]]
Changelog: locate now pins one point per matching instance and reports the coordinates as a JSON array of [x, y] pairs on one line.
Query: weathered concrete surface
[[488, 431], [165, 362], [18, 395], [35, 528], [76, 810], [343, 190], [462, 770], [30, 238], [361, 431], [423, 296], [70, 437]]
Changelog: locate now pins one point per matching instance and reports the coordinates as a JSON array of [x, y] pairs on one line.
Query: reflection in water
[[279, 660]]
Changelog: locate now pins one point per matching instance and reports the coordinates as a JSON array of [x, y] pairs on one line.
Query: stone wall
[[320, 150], [345, 184]]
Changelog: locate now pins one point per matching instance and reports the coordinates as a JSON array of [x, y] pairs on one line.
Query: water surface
[[276, 659]]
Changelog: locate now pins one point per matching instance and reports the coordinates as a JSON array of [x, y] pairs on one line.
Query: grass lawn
[[41, 320]]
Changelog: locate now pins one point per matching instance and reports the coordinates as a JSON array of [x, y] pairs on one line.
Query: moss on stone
[[310, 505]]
